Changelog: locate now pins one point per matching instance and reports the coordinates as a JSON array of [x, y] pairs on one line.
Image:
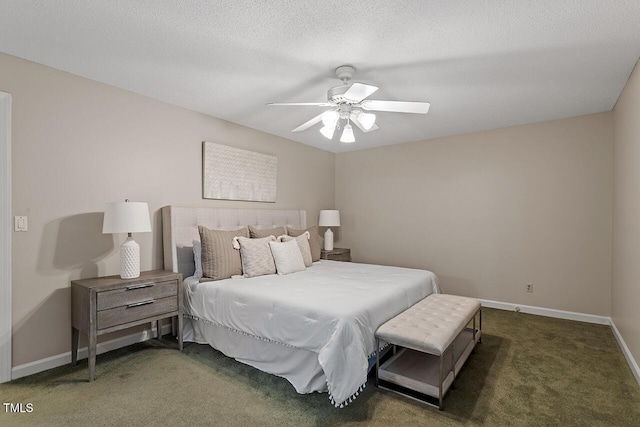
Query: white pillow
[[197, 257], [303, 244], [255, 256], [287, 257]]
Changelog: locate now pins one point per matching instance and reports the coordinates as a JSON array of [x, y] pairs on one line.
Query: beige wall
[[625, 290], [78, 144], [491, 211]]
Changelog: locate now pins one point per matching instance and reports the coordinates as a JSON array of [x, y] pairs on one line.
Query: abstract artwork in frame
[[230, 173]]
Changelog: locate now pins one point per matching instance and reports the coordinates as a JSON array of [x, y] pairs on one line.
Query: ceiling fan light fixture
[[349, 103], [347, 134], [327, 131], [367, 120], [330, 118]]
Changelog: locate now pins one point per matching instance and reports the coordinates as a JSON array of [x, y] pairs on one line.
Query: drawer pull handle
[[140, 286], [137, 304]]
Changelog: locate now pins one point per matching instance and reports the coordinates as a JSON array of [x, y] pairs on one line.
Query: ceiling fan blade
[[355, 119], [307, 125], [314, 104], [359, 91], [397, 106]]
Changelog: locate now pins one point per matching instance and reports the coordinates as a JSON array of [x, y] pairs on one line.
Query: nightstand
[[337, 254], [107, 304]]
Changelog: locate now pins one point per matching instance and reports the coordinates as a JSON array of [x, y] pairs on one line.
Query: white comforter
[[332, 308]]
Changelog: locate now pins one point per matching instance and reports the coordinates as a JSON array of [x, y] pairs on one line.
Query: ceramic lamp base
[[328, 240], [130, 259]]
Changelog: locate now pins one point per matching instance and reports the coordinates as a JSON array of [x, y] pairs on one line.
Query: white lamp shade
[[347, 134], [126, 217], [367, 120], [327, 131], [329, 218], [330, 118]]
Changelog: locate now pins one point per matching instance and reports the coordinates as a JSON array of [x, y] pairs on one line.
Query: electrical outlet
[[528, 287]]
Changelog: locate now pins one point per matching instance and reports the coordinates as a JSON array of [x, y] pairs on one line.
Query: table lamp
[[127, 217], [329, 218]]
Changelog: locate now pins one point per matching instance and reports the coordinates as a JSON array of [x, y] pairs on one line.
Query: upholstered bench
[[436, 340]]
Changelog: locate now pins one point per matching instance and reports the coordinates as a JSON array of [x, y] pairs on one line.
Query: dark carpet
[[528, 371]]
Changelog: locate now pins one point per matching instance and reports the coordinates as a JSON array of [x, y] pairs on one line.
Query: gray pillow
[[219, 259], [315, 241], [258, 233], [256, 256], [197, 259]]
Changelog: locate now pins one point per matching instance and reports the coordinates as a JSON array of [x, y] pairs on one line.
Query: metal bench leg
[[453, 366], [480, 329], [475, 339], [377, 359], [440, 387]]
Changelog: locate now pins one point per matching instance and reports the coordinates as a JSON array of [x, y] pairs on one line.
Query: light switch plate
[[21, 223]]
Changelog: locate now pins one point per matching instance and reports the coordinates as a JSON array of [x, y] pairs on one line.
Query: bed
[[314, 328]]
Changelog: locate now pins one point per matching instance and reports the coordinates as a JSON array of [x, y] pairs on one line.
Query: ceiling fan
[[349, 105]]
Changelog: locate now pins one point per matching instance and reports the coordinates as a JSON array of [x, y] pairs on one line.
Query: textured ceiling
[[482, 64]]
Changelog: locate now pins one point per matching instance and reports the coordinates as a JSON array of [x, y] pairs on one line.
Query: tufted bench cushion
[[430, 325]]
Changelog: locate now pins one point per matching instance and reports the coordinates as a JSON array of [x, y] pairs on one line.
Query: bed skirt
[[300, 367]]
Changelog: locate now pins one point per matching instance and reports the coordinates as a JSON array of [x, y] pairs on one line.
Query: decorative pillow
[[255, 255], [303, 244], [287, 257], [197, 258], [219, 259], [257, 233], [315, 241]]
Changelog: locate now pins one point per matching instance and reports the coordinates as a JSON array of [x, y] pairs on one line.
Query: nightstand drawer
[[337, 254], [344, 256], [136, 311], [135, 293]]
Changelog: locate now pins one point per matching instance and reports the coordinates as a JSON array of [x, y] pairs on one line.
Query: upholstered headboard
[[180, 228]]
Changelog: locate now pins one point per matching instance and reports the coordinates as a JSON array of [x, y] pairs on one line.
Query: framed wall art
[[230, 173]]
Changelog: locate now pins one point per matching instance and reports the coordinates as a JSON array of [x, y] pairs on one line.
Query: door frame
[[5, 237]]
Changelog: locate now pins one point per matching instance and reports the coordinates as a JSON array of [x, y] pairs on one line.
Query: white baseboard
[[65, 358], [570, 315], [548, 312], [627, 353]]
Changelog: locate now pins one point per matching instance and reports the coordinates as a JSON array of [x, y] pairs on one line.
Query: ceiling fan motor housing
[[345, 72], [336, 94]]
